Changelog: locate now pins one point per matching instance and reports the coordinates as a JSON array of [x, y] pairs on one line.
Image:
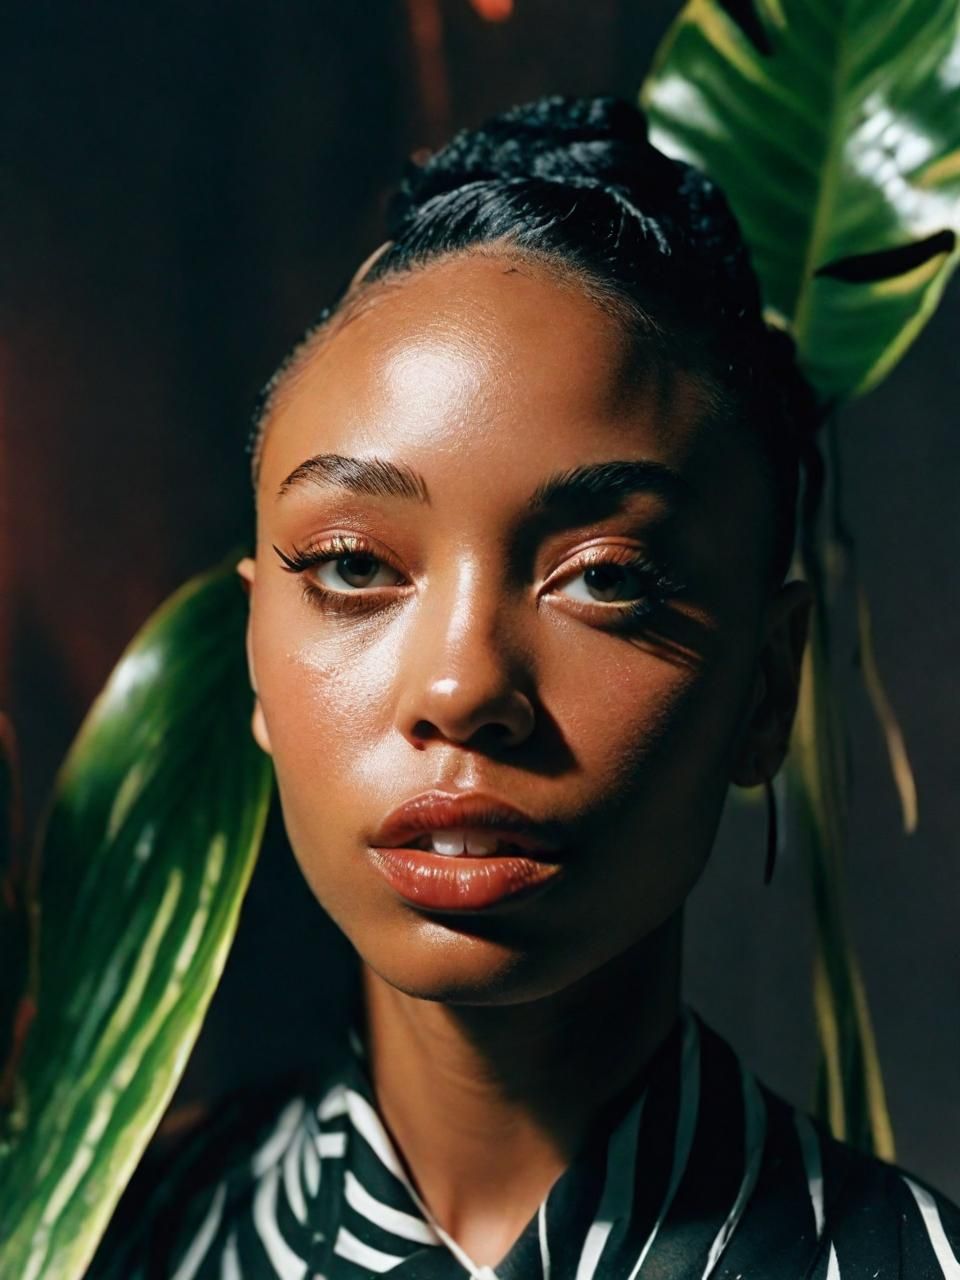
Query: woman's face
[[548, 590]]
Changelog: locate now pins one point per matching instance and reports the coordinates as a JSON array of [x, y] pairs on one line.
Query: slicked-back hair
[[575, 185]]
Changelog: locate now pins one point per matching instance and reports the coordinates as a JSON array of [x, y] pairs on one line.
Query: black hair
[[576, 184]]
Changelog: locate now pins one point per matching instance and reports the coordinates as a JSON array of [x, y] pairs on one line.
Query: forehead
[[489, 369]]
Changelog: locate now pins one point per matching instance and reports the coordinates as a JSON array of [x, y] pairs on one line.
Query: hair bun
[[598, 141]]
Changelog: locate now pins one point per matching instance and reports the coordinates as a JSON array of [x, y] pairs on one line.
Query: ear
[[766, 734], [247, 569]]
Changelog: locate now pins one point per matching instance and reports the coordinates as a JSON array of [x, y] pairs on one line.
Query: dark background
[[185, 185]]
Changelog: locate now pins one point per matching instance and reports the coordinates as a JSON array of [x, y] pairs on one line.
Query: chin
[[512, 954], [467, 961]]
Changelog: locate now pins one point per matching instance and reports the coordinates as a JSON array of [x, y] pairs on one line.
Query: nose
[[463, 679]]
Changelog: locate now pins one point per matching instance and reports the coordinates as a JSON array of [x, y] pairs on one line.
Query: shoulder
[[804, 1202], [864, 1215], [185, 1195], [871, 1204]]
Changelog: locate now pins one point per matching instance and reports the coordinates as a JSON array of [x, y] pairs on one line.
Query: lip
[[443, 811], [465, 882]]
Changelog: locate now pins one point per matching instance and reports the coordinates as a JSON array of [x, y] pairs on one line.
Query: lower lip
[[459, 883]]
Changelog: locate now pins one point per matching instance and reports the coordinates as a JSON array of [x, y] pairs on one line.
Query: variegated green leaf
[[833, 127], [849, 1096], [150, 842], [18, 937], [893, 735]]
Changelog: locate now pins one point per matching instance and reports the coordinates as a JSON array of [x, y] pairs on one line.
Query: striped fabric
[[705, 1174]]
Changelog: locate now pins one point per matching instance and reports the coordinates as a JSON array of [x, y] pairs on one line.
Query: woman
[[525, 504]]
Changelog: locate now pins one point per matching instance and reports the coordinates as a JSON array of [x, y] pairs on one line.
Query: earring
[[771, 831]]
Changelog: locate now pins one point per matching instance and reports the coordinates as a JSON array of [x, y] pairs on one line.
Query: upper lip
[[441, 811]]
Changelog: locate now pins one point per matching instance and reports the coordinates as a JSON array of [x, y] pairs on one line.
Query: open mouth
[[451, 851], [465, 842]]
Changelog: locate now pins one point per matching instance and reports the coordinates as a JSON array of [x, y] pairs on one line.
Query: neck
[[490, 1103]]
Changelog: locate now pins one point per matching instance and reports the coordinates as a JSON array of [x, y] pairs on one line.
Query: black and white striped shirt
[[707, 1174]]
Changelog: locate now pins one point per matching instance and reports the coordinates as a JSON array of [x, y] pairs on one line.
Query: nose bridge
[[464, 671], [467, 605], [462, 628]]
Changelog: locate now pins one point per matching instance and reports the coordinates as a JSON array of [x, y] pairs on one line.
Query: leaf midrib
[[827, 189]]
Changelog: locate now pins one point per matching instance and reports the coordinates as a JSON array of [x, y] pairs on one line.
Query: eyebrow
[[602, 484], [374, 476], [592, 485]]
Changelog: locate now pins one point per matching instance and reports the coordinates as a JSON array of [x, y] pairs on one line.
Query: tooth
[[480, 842], [449, 843]]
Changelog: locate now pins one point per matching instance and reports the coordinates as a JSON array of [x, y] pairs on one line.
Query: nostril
[[499, 731], [424, 731], [492, 735], [482, 715], [495, 735]]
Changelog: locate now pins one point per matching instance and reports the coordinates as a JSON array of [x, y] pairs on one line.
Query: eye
[[341, 572], [616, 584], [608, 583], [356, 569]]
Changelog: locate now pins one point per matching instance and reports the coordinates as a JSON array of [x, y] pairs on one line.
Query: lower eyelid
[[361, 600]]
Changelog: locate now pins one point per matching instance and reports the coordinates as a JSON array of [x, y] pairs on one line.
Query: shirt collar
[[625, 1177]]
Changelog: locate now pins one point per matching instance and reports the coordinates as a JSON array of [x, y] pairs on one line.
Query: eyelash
[[657, 584], [302, 559], [662, 585]]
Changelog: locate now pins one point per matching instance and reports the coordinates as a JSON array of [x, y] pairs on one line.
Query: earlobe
[[247, 571], [747, 771], [766, 735], [794, 607], [258, 727], [246, 568]]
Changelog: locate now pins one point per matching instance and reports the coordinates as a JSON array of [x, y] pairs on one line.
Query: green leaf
[[150, 841], [19, 928], [850, 1096], [833, 127], [892, 733]]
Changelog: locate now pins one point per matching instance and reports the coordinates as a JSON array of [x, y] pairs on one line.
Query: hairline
[[369, 290], [365, 293]]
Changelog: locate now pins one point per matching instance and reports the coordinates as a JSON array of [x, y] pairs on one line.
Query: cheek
[[620, 710], [326, 691], [645, 737], [640, 720], [326, 697], [652, 741], [631, 716]]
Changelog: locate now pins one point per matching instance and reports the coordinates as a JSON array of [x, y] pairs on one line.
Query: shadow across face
[[498, 556]]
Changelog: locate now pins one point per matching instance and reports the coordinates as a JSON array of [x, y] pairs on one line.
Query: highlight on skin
[[525, 501], [478, 657]]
